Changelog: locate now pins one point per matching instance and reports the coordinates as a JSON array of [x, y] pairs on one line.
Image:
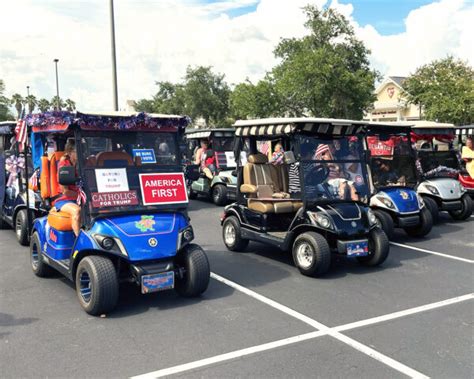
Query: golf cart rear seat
[[262, 183]]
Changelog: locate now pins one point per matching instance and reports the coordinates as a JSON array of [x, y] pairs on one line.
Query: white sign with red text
[[163, 188], [111, 180]]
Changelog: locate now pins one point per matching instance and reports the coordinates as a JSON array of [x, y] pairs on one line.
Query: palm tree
[[57, 103], [17, 101], [31, 101], [70, 105], [44, 105]]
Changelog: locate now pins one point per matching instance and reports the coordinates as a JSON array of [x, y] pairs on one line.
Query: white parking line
[[324, 330], [433, 252]]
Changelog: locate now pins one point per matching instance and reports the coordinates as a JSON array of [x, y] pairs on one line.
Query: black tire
[[466, 211], [315, 259], [385, 222], [197, 271], [97, 285], [424, 227], [191, 194], [432, 206], [39, 267], [379, 247], [21, 228], [219, 194], [237, 243]]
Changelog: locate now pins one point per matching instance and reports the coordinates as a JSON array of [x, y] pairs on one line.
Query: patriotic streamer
[[81, 195], [14, 165]]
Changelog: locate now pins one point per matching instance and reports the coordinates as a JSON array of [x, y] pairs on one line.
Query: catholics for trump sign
[[164, 188]]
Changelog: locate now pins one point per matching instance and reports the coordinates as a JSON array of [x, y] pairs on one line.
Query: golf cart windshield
[[115, 167], [391, 160], [438, 164], [333, 169]]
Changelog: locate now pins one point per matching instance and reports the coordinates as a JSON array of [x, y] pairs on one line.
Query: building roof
[[398, 80]]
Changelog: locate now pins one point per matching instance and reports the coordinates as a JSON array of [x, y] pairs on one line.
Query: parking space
[[260, 317]]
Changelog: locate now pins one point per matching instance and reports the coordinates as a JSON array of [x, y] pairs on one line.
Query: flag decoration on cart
[[20, 130], [81, 195]]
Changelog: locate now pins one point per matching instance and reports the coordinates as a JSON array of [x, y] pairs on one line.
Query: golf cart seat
[[59, 220], [114, 159], [262, 183], [49, 176]]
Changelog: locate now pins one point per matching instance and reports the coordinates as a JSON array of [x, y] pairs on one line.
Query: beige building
[[390, 104]]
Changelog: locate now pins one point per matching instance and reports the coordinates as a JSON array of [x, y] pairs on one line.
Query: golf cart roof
[[195, 133], [280, 126], [430, 127], [7, 127], [57, 122], [465, 130]]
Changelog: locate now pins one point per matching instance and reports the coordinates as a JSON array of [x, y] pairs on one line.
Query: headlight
[[185, 236], [107, 243], [321, 220], [432, 189], [461, 188], [110, 244], [386, 201], [371, 217]]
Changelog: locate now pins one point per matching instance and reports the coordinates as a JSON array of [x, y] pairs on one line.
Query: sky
[[158, 39]]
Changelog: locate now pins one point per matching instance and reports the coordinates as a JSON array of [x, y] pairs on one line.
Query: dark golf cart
[[134, 223], [392, 165], [439, 167], [462, 133], [13, 192], [222, 187], [309, 204]]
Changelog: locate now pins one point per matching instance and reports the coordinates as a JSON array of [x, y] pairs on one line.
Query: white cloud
[[157, 40]]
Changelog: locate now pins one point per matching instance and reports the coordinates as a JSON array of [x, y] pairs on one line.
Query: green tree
[[445, 90], [206, 95], [57, 103], [325, 73], [43, 105], [70, 105], [259, 100], [18, 102], [5, 114], [31, 101]]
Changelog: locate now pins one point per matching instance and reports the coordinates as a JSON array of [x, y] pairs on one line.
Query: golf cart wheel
[[424, 227], [97, 285], [431, 205], [196, 271], [385, 222], [232, 235], [219, 194], [191, 194], [378, 249], [466, 210], [21, 227], [311, 254], [39, 267]]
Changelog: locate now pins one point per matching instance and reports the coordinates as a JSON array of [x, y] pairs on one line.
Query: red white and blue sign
[[147, 155], [163, 188]]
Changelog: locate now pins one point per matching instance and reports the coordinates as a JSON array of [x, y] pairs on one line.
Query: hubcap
[[34, 256], [304, 255], [229, 234], [18, 226], [85, 286]]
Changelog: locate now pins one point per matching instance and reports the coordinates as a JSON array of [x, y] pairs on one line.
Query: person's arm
[[197, 157]]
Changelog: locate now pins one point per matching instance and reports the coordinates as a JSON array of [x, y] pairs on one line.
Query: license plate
[[157, 282], [357, 248]]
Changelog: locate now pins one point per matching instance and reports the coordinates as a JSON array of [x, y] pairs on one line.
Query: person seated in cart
[[68, 201], [205, 159], [467, 155]]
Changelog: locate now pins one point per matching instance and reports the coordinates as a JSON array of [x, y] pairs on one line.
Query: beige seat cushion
[[261, 206]]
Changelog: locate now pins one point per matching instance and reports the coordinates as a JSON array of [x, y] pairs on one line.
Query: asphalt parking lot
[[259, 318]]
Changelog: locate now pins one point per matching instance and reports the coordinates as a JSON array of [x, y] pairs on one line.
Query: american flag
[[322, 148], [263, 146], [20, 130], [33, 182], [81, 195]]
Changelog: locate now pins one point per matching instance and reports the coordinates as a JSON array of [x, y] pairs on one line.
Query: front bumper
[[149, 268], [408, 221], [454, 205]]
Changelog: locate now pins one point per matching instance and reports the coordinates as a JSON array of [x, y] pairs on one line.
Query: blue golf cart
[[134, 222], [13, 191], [392, 164]]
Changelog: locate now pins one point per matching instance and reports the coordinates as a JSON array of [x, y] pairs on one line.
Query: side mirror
[[67, 176], [192, 172]]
